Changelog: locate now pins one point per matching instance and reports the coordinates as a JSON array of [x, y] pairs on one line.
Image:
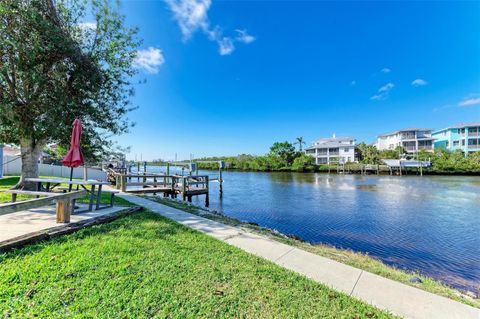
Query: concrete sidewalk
[[398, 298]]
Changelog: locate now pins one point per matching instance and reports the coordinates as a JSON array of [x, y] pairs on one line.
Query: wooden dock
[[168, 185]]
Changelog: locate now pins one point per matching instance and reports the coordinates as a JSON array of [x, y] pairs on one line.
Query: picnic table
[[48, 184]]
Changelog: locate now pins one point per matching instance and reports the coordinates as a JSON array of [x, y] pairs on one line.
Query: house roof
[[332, 142], [405, 130], [459, 125], [11, 150]]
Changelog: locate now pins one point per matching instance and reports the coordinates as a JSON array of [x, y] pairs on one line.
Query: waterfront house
[[411, 139], [333, 150], [464, 136]]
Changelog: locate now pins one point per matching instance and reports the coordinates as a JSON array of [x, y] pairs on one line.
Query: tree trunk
[[30, 152]]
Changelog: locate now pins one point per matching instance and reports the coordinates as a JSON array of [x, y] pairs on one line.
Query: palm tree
[[300, 141]]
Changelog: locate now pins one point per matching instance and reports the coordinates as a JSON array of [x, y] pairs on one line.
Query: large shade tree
[[54, 68]]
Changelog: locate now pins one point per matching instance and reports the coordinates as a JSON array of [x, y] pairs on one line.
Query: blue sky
[[231, 77]]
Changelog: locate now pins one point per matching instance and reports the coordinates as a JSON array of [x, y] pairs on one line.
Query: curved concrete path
[[400, 299]]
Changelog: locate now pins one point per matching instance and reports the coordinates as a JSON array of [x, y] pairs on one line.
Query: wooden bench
[[64, 203]]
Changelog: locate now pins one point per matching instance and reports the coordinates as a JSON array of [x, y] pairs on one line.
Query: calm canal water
[[430, 224]]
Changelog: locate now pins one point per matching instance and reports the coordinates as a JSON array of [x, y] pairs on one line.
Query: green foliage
[[53, 70], [367, 154], [304, 163], [393, 154], [454, 162], [282, 153]]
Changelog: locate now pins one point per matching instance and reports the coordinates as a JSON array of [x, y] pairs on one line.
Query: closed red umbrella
[[74, 157]]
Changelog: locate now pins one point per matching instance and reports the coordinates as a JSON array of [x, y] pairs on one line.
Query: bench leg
[[111, 199], [14, 198], [63, 210], [99, 197], [92, 197]]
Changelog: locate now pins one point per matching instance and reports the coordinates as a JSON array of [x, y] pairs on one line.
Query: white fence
[[12, 165]]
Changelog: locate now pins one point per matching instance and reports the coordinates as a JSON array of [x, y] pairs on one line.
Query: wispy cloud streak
[[383, 92], [192, 16]]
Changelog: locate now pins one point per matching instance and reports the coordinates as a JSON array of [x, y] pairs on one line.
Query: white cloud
[[149, 60], [386, 88], [88, 25], [419, 82], [385, 70], [225, 46], [244, 37], [383, 92], [192, 15], [469, 102]]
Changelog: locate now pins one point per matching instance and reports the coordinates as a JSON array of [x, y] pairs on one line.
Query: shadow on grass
[[9, 181], [145, 224]]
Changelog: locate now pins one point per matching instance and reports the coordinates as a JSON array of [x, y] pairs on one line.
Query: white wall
[[12, 165]]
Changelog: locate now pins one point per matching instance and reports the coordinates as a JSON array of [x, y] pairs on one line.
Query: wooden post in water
[[220, 180], [184, 188], [207, 199], [138, 171]]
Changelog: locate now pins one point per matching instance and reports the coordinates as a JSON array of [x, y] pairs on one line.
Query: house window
[[473, 131], [456, 143], [447, 144], [345, 149], [322, 161], [473, 142], [463, 142]]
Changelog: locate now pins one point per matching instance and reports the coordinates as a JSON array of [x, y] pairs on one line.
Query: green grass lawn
[[144, 266]]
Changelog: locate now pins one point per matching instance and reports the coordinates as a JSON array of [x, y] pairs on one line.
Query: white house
[[333, 150], [411, 139]]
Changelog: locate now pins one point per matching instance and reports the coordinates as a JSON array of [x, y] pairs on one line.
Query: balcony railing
[[474, 147], [473, 133], [425, 147]]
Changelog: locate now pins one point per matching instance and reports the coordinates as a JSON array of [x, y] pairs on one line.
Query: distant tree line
[[283, 156]]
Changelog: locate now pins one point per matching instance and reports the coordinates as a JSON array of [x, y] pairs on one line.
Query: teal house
[[464, 136]]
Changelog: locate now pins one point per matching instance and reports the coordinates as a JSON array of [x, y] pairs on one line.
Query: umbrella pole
[[71, 178]]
